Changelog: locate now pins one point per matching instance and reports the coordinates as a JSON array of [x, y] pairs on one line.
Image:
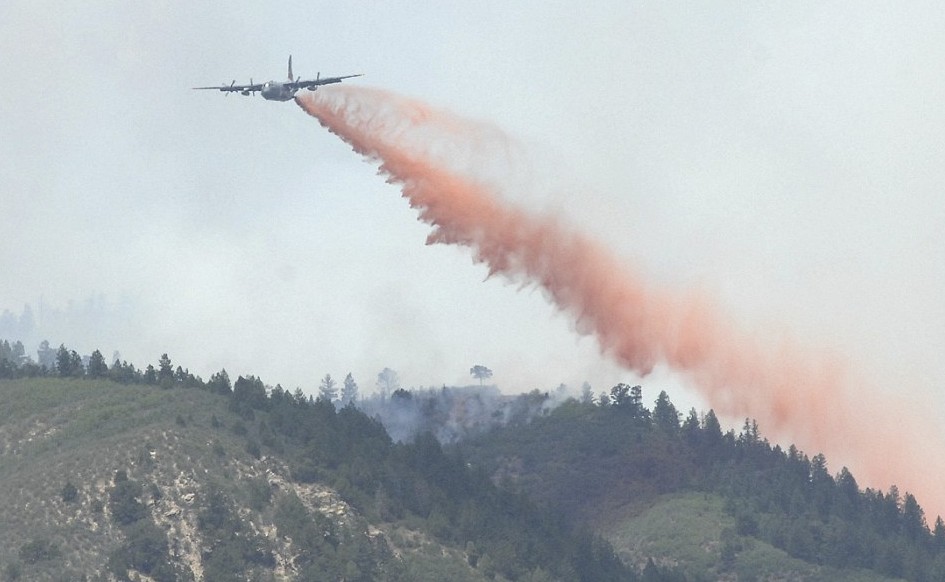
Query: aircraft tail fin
[[290, 68]]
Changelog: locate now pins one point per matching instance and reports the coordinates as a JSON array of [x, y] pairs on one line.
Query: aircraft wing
[[233, 87], [312, 83]]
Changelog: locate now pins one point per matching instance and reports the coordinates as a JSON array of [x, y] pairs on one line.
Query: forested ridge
[[501, 533], [523, 500], [586, 458]]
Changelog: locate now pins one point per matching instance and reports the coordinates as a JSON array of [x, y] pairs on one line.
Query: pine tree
[[165, 371], [711, 429], [47, 356], [97, 366], [63, 361], [913, 519], [620, 396], [150, 375], [939, 534], [220, 383], [691, 428], [75, 364], [349, 390], [665, 416], [328, 389], [18, 353]]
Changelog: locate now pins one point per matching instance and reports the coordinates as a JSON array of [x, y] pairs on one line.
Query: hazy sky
[[786, 159]]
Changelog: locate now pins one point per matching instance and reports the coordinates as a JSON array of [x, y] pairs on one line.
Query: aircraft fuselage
[[275, 91]]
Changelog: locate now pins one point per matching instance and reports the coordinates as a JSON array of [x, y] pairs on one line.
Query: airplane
[[279, 90]]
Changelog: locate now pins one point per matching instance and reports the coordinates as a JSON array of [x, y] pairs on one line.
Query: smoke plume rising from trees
[[447, 169]]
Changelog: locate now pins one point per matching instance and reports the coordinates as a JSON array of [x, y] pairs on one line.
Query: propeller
[[231, 87], [246, 92]]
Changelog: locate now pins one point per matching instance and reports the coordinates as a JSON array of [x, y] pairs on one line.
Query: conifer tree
[[97, 366], [349, 390], [220, 383], [328, 389], [665, 416], [63, 361], [165, 374]]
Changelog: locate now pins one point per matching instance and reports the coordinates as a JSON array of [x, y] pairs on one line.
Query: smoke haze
[[452, 172]]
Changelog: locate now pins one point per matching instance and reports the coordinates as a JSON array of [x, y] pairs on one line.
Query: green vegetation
[[234, 551], [154, 496], [146, 551], [128, 473], [37, 550], [607, 465], [695, 530], [419, 484]]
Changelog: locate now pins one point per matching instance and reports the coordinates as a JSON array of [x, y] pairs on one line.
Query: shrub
[[12, 571], [69, 492], [145, 551], [123, 502], [38, 550]]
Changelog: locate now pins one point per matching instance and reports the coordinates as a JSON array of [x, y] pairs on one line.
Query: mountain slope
[[693, 530], [193, 470], [612, 466], [178, 479]]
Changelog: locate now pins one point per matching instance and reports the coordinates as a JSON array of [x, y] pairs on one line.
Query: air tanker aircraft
[[279, 90]]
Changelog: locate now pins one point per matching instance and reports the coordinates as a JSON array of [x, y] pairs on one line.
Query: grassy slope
[[685, 530], [52, 431]]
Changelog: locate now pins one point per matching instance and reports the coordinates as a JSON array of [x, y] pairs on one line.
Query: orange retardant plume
[[446, 168]]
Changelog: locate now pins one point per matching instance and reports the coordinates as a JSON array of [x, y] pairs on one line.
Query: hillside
[[172, 478], [193, 469], [694, 531], [716, 505], [108, 481]]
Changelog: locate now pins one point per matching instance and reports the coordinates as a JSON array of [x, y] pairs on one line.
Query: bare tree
[[387, 382]]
